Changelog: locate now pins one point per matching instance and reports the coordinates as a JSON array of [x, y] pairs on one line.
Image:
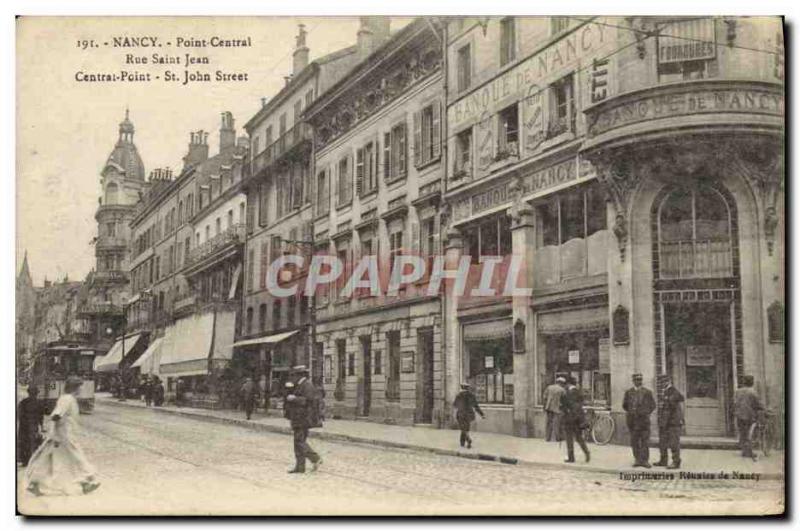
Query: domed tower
[[122, 184]]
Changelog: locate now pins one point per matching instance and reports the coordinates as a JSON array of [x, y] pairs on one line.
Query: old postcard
[[438, 265]]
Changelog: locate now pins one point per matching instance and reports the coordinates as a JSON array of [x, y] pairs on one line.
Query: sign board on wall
[[488, 362], [574, 357], [700, 355], [687, 40]]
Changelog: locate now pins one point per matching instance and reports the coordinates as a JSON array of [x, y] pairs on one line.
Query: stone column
[[525, 381], [451, 331]]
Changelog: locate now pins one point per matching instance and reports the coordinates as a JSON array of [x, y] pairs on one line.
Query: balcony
[[110, 242], [696, 259], [297, 135], [231, 236], [101, 308], [184, 305]]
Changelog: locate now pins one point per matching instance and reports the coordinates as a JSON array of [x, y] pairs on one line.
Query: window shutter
[[417, 138], [360, 171], [349, 179], [377, 165], [264, 263], [336, 188], [415, 238], [403, 155], [250, 216], [436, 138], [387, 156], [436, 230], [307, 231]]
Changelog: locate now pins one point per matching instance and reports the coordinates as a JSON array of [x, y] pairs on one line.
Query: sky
[[66, 129]]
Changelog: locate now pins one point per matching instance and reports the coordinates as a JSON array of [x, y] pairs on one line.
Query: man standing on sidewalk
[[638, 403], [249, 393], [670, 424], [747, 407], [466, 404], [574, 420], [552, 407], [303, 414]]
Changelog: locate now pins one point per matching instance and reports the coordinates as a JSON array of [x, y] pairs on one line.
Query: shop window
[[344, 189], [464, 68], [427, 134], [508, 132], [695, 235], [507, 40], [393, 378], [491, 368], [571, 235], [584, 356], [492, 238], [562, 107], [463, 158]]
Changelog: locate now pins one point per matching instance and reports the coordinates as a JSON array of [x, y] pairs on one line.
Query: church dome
[[124, 158]]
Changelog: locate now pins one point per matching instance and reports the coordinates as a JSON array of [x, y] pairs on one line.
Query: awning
[[187, 343], [265, 340], [573, 320], [110, 361], [148, 362], [224, 332], [498, 329]]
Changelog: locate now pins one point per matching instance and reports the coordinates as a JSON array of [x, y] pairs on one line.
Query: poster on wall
[[574, 357], [533, 123], [488, 362]]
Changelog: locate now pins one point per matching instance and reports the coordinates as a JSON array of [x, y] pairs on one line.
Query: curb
[[338, 437]]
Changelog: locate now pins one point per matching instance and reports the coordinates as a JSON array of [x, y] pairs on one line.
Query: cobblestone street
[[153, 463]]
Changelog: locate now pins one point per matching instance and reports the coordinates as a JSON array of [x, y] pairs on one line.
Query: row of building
[[634, 165]]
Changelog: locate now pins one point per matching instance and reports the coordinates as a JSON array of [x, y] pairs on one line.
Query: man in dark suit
[[466, 404], [249, 394], [303, 413], [638, 404], [30, 416], [574, 419], [670, 424], [747, 408]]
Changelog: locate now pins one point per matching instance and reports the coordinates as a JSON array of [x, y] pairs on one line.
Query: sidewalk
[[487, 446]]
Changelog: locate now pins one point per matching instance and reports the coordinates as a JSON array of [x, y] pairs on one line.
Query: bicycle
[[763, 433], [600, 426]]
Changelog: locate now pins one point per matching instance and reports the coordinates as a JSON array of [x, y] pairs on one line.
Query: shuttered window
[[427, 134], [344, 189], [395, 154]]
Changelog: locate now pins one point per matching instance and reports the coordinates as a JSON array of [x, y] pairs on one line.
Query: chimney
[[227, 133], [300, 56], [198, 149], [372, 33]]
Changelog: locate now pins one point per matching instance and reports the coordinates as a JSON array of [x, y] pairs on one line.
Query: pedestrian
[[147, 389], [466, 405], [179, 392], [321, 404], [552, 408], [302, 412], [638, 404], [747, 408], [670, 424], [249, 392], [59, 464], [573, 419], [30, 416], [158, 392]]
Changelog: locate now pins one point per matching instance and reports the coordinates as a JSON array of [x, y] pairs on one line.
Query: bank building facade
[[635, 165]]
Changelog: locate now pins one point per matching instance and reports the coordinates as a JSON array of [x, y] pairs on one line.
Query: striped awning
[[148, 362], [110, 362], [187, 342], [265, 340]]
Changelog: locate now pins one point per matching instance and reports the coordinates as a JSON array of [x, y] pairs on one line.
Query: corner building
[[635, 165], [377, 185]]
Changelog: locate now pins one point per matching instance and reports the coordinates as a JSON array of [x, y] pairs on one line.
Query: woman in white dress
[[59, 465]]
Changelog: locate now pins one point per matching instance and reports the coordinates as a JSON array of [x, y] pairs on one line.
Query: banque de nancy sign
[[682, 101], [533, 184], [529, 74]]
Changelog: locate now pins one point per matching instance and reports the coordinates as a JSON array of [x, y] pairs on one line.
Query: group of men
[[152, 389], [563, 405]]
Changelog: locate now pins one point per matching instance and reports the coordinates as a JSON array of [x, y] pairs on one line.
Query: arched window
[[694, 233], [112, 191]]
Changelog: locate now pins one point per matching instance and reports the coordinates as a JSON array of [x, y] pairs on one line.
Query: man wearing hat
[[30, 416], [747, 407], [574, 419], [552, 407], [301, 401], [249, 393], [638, 404], [466, 404], [670, 423]]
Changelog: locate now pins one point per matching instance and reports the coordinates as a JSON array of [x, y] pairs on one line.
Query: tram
[[58, 361]]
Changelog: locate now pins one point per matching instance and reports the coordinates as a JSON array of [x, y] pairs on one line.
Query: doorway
[[699, 350], [365, 395], [424, 413]]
